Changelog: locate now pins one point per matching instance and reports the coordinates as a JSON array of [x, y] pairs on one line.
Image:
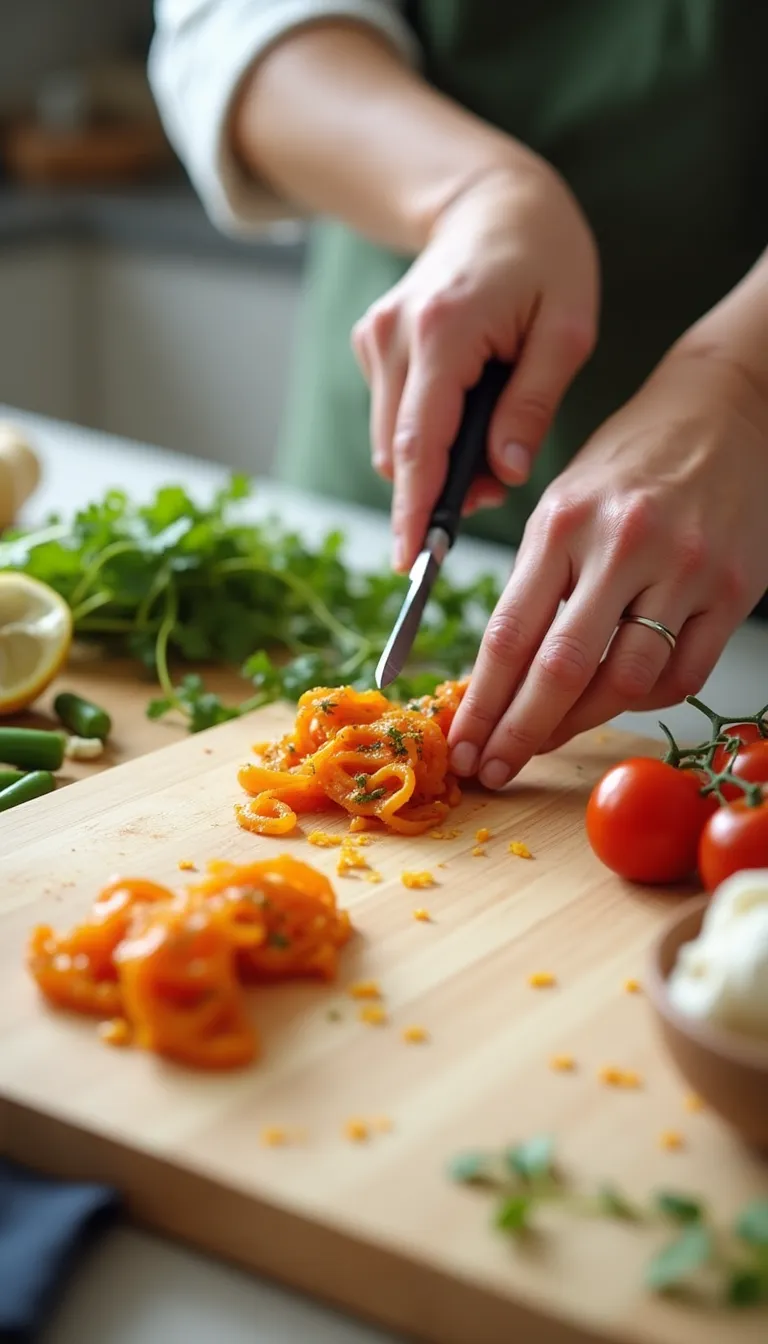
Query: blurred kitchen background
[[121, 307]]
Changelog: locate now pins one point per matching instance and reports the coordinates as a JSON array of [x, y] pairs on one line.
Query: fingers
[[554, 351], [388, 377], [684, 672], [517, 627], [427, 423], [486, 493]]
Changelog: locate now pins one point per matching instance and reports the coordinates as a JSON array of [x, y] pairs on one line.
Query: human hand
[[510, 270], [662, 514]]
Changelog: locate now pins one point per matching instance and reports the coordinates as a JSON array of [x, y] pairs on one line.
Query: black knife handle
[[468, 457]]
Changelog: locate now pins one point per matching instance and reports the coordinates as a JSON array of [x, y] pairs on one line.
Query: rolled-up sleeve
[[200, 52]]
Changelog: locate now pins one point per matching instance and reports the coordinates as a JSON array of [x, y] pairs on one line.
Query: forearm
[[736, 330], [337, 123]]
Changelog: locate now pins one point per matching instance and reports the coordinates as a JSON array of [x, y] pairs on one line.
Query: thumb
[[552, 355]]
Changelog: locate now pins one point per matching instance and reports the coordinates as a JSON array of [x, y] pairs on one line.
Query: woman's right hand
[[511, 271]]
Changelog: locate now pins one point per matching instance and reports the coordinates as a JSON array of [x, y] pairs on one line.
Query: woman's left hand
[[662, 514]]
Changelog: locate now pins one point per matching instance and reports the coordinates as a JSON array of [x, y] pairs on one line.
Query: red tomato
[[747, 733], [751, 764], [644, 820], [734, 838]]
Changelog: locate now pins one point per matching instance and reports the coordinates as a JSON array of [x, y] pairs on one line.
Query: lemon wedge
[[35, 635]]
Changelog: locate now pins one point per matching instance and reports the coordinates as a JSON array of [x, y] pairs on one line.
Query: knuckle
[[565, 659], [506, 639], [533, 410], [381, 321], [515, 741], [559, 516], [691, 553], [407, 446], [576, 335], [433, 314], [635, 524], [632, 673]]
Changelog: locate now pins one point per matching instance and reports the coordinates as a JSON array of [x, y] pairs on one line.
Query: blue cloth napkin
[[44, 1225]]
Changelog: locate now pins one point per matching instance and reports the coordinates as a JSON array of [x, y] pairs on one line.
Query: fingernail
[[516, 461], [495, 774], [464, 758], [398, 554]]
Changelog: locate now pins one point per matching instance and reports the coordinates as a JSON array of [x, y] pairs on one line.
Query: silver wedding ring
[[660, 629]]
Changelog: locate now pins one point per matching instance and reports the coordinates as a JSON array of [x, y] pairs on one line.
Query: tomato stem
[[701, 757]]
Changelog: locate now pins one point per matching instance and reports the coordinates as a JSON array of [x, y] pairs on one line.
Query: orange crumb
[[274, 1136], [482, 836], [562, 1063], [117, 1032], [323, 839], [632, 986], [522, 851], [187, 866], [357, 1131], [417, 881], [350, 860], [693, 1102], [415, 1035], [478, 852], [383, 1124], [440, 834], [442, 865], [373, 1015], [615, 1077], [422, 915], [671, 1140], [374, 876], [365, 989], [542, 980]]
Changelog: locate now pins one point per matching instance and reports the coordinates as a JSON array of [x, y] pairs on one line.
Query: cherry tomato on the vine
[[750, 764], [645, 818], [734, 838], [746, 733]]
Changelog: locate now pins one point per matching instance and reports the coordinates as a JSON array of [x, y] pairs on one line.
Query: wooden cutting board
[[377, 1227]]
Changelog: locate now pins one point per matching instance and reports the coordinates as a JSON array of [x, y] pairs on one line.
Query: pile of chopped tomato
[[169, 968], [357, 751]]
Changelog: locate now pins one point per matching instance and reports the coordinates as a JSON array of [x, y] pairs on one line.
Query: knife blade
[[466, 461]]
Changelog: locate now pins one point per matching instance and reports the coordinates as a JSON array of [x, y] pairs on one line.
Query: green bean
[[81, 717], [31, 748], [29, 786]]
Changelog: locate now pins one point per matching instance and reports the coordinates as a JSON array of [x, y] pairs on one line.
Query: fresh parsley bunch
[[170, 582]]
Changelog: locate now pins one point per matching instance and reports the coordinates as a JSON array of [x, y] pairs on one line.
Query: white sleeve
[[200, 52]]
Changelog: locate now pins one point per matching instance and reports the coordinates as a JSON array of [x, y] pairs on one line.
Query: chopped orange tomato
[[417, 881], [381, 762], [165, 970]]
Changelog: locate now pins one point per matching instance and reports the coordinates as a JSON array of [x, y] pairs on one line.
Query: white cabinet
[[190, 354], [39, 355]]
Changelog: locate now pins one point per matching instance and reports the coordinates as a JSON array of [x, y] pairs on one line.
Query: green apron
[[655, 111]]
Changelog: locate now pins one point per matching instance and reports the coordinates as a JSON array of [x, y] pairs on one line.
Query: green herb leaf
[[172, 582], [472, 1168], [752, 1223], [532, 1159], [512, 1213], [679, 1208], [614, 1204], [746, 1288], [678, 1261]]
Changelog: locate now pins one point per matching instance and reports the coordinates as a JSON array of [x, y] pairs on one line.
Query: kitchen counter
[[137, 1289], [160, 217]]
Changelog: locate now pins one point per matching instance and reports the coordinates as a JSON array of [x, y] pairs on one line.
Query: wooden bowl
[[728, 1071]]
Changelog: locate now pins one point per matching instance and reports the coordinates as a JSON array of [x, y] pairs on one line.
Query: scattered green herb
[[173, 582], [525, 1176]]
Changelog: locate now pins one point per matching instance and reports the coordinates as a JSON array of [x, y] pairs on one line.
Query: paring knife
[[467, 461]]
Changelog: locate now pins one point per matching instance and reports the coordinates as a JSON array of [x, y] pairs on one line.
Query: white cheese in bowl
[[722, 975]]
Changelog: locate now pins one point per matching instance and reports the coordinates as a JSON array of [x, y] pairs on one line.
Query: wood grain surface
[[377, 1227]]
